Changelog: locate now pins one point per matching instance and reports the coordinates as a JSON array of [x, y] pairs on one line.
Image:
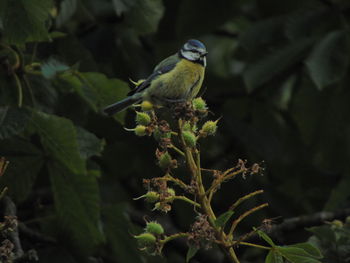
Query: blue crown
[[196, 43]]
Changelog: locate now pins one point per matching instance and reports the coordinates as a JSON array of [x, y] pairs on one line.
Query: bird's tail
[[121, 105]]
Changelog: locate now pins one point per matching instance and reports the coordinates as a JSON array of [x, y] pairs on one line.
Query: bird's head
[[195, 51]]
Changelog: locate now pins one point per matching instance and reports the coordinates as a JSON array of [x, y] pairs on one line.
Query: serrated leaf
[[328, 61], [66, 11], [296, 255], [77, 206], [273, 257], [89, 144], [191, 252], [13, 121], [59, 139], [223, 218], [264, 236], [25, 20], [264, 70], [52, 67], [25, 162]]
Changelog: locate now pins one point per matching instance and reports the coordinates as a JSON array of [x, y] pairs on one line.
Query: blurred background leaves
[[278, 74]]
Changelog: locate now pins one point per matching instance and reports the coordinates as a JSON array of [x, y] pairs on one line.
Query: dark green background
[[277, 76]]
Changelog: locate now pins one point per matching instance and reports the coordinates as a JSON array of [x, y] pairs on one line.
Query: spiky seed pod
[[171, 192], [209, 128], [142, 118], [146, 239], [165, 160], [154, 228], [146, 106], [158, 135], [140, 130], [199, 104], [190, 138], [150, 197]]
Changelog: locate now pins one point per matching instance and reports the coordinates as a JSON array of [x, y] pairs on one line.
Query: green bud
[[199, 104], [171, 191], [347, 220], [154, 228], [165, 160], [190, 138], [146, 106], [140, 130], [337, 223], [209, 128], [142, 118], [150, 197], [158, 135], [146, 239]]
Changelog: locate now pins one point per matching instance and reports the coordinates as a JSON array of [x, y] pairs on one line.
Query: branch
[[318, 218]]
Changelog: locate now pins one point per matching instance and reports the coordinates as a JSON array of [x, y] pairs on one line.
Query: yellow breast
[[181, 83]]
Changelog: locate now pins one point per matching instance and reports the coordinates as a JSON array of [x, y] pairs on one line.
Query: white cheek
[[205, 61], [190, 55]]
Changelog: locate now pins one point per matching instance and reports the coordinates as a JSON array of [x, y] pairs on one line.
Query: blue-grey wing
[[163, 67]]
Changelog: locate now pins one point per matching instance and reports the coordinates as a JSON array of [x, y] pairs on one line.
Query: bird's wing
[[163, 67]]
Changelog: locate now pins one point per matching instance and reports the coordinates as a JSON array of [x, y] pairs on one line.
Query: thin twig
[[243, 198], [244, 215]]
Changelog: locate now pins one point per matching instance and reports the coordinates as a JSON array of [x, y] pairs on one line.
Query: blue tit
[[177, 78]]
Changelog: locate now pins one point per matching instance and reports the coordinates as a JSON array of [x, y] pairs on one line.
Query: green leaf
[[262, 33], [273, 257], [264, 70], [13, 121], [264, 236], [191, 252], [59, 139], [121, 6], [25, 20], [66, 11], [52, 67], [118, 228], [97, 90], [77, 204], [328, 61], [26, 161], [324, 232], [89, 144], [296, 255], [223, 218], [142, 15], [310, 249]]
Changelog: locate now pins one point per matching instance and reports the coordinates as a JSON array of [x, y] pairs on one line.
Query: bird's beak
[[204, 54]]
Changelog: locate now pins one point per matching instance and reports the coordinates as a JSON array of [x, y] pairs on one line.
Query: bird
[[178, 78]]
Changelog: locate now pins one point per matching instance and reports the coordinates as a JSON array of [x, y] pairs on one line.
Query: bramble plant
[[177, 139]]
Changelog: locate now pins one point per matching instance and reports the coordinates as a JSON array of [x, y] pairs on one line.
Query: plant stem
[[172, 146], [193, 164], [184, 198], [244, 215], [19, 89], [174, 236], [253, 245], [243, 198]]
